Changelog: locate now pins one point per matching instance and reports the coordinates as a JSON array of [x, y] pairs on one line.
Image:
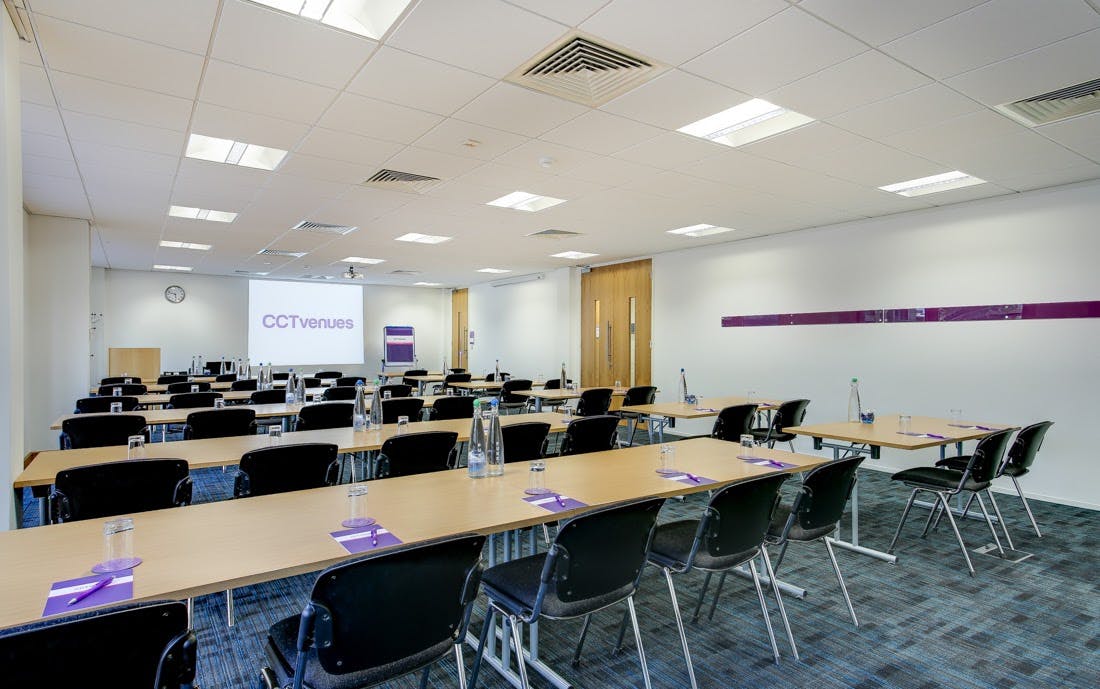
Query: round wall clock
[[175, 294]]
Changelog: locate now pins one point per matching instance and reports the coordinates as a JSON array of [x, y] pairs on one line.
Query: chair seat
[[515, 584], [282, 649], [779, 520], [672, 545], [1015, 471], [937, 479], [762, 434], [958, 462]]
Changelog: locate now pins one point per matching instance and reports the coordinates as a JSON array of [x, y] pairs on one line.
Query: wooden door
[[615, 324], [460, 329]]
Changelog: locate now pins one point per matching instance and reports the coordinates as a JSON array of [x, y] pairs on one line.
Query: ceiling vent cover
[[394, 180], [584, 71], [1056, 105], [316, 277], [324, 228], [280, 252], [553, 234], [405, 272]]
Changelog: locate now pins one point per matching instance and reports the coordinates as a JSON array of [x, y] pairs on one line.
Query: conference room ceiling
[[898, 90]]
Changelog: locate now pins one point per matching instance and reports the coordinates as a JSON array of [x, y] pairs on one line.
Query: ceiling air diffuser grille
[[394, 180], [280, 252], [1064, 103], [324, 228], [553, 234]]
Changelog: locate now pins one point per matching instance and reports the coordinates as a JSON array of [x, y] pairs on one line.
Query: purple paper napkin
[[765, 462], [926, 435], [365, 538], [707, 409], [61, 592], [691, 479], [555, 503]]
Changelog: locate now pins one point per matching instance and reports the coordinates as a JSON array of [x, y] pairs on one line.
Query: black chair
[[170, 378], [402, 406], [220, 423], [491, 377], [225, 377], [733, 422], [450, 379], [349, 381], [246, 384], [635, 396], [417, 453], [814, 514], [193, 400], [284, 375], [413, 372], [312, 382], [554, 384], [96, 491], [595, 561], [945, 482], [511, 401], [790, 413], [285, 468], [356, 631], [313, 417], [338, 393], [116, 380], [93, 405], [328, 375], [176, 388], [594, 402], [455, 407], [524, 441], [395, 390], [273, 396], [145, 645], [589, 434], [124, 388], [101, 431]]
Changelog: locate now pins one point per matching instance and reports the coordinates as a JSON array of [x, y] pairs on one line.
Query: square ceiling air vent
[[395, 180], [1062, 104], [585, 71], [280, 252], [553, 234], [324, 228]]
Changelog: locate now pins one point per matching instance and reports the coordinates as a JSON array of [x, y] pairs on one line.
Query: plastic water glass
[[666, 459], [274, 435], [956, 415], [450, 391], [402, 425], [618, 384], [536, 478], [751, 395], [357, 507], [135, 448], [116, 392], [387, 394], [116, 407], [219, 403], [567, 413], [747, 442], [194, 388], [118, 546], [905, 423]]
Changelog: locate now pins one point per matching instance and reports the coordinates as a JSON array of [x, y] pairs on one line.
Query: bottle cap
[[855, 380]]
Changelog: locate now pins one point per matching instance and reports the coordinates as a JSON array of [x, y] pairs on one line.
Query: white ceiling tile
[[673, 32], [34, 87], [294, 191], [611, 171], [872, 164], [46, 146], [56, 196], [221, 187], [360, 208], [94, 97], [1012, 156], [670, 150], [226, 123], [281, 43], [113, 132], [401, 77], [601, 132], [877, 22], [1041, 180], [981, 191], [569, 12], [369, 117], [41, 119], [675, 185], [96, 154], [559, 160], [327, 169], [814, 139], [461, 193], [451, 135], [938, 140], [674, 99], [518, 110], [28, 54], [1081, 134], [352, 148], [858, 81], [422, 161], [183, 25], [49, 167], [990, 32], [101, 55], [469, 34], [763, 58], [241, 88], [917, 108]]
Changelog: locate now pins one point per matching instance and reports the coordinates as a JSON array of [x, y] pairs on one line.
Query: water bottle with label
[[496, 372], [359, 412], [291, 382], [494, 442], [376, 411], [300, 391], [854, 406], [682, 390], [564, 378], [475, 459]]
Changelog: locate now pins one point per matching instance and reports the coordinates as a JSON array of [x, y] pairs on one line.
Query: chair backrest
[[313, 417], [594, 402], [187, 386], [220, 423], [115, 380], [456, 378], [339, 393], [395, 390], [280, 375], [105, 490], [734, 421], [349, 381], [416, 453], [92, 405], [987, 456], [825, 492], [147, 645], [1026, 445], [328, 375], [193, 400], [524, 441], [273, 396], [457, 370], [126, 388], [225, 377], [401, 406], [789, 413], [246, 384], [590, 434], [555, 383], [359, 610], [413, 372], [312, 382], [170, 378], [100, 431], [737, 519], [506, 391], [457, 407], [640, 394], [284, 468]]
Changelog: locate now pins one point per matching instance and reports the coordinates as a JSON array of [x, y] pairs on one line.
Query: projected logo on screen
[[301, 324]]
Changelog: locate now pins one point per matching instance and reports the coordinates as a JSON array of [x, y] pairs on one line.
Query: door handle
[[609, 344]]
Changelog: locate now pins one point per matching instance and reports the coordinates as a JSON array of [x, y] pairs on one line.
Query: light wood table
[[161, 398], [423, 381], [662, 414], [487, 385], [158, 417], [212, 547]]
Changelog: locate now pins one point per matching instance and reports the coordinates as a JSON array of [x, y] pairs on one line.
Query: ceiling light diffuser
[[573, 254], [185, 269], [933, 184], [700, 230], [426, 284], [495, 271], [360, 259], [370, 18], [423, 238], [185, 245], [202, 147], [201, 214], [524, 201], [750, 121]]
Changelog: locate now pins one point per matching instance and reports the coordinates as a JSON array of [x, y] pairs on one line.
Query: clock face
[[174, 294]]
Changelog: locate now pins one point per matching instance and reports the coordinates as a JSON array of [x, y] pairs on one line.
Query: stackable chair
[[396, 407], [790, 413], [339, 393], [508, 400], [395, 390], [457, 407], [313, 417], [101, 431], [635, 396], [589, 434], [247, 384], [220, 423], [125, 389], [329, 375], [524, 441], [96, 405], [193, 400], [176, 388], [417, 453], [96, 491], [594, 402]]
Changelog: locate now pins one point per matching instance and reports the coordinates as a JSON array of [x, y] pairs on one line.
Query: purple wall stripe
[[986, 312]]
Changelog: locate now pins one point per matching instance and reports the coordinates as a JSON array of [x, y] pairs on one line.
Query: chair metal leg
[[517, 640], [928, 522], [482, 640], [782, 552], [580, 642], [955, 528], [702, 595], [618, 648], [680, 626], [904, 516], [966, 507], [1027, 507], [461, 665], [1004, 527], [779, 600], [638, 640], [424, 677], [840, 580], [717, 595], [764, 610], [229, 607], [989, 523]]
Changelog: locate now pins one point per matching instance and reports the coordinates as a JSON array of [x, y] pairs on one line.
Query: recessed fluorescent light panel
[[751, 121], [185, 269], [185, 245], [700, 230], [426, 284], [232, 152], [423, 238], [370, 18], [573, 254], [493, 270], [201, 214], [364, 261], [524, 201], [933, 184]]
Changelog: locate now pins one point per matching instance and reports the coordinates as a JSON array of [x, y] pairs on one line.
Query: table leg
[[854, 545], [538, 405]]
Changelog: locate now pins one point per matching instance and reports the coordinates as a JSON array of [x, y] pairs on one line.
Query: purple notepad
[[765, 462], [365, 538], [973, 427], [120, 589], [554, 503], [706, 409], [690, 479]]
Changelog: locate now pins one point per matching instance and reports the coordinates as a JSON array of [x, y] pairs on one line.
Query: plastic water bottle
[[291, 383], [682, 390], [376, 411], [494, 442], [475, 460], [496, 372], [359, 412], [854, 405], [300, 391], [562, 380]]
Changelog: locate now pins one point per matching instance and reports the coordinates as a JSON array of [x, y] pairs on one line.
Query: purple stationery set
[[690, 479], [120, 588], [765, 462], [925, 435], [365, 538], [554, 502]]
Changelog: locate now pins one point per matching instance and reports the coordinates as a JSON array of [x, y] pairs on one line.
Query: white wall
[[1036, 247], [57, 268]]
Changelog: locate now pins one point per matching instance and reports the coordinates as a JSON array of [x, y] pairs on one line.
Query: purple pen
[[778, 465], [560, 501], [693, 477], [99, 585], [374, 538]]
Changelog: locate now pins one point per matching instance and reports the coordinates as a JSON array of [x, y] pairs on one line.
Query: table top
[[156, 387], [438, 378], [710, 407], [42, 466], [489, 384], [154, 399], [884, 432], [211, 547], [559, 394]]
